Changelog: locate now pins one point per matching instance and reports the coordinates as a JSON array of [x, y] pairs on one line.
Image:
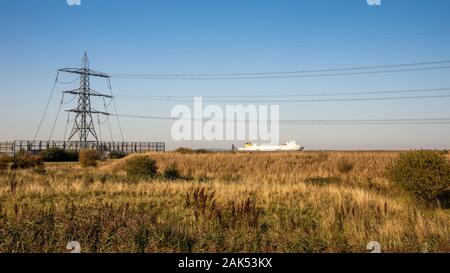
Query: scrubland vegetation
[[228, 202]]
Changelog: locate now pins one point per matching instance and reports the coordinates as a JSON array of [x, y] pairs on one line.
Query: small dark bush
[[344, 166], [25, 160], [171, 172], [322, 181], [444, 199], [141, 167], [59, 155], [202, 151], [426, 174], [89, 158], [116, 155], [183, 150], [4, 162]]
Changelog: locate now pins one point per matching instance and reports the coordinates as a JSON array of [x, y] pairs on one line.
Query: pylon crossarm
[[90, 93], [88, 72], [93, 112]]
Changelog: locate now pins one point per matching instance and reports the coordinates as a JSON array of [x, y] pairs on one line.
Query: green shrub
[[89, 158], [426, 174], [25, 160], [117, 155], [171, 172], [344, 166], [59, 155], [141, 167]]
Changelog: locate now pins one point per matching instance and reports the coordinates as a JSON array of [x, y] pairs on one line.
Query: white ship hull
[[290, 146]]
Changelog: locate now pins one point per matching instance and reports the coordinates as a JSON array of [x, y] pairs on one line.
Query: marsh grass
[[279, 202]]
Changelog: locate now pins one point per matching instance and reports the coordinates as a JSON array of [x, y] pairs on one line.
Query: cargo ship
[[289, 146]]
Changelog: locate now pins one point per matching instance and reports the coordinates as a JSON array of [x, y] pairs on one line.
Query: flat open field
[[225, 202]]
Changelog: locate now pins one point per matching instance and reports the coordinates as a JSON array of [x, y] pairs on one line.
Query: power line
[[315, 94], [107, 120], [99, 128], [317, 121], [67, 125], [291, 74], [310, 100], [301, 75], [70, 100], [70, 82], [46, 107], [56, 118], [115, 109]]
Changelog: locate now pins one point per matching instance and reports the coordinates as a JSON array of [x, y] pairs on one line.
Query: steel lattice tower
[[83, 129]]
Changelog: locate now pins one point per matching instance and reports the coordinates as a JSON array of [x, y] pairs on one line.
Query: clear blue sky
[[146, 36]]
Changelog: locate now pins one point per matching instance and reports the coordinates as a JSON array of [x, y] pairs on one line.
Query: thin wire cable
[[67, 125], [317, 121], [109, 104], [107, 120], [70, 101], [110, 131], [316, 94], [275, 74], [99, 128], [115, 109], [302, 76], [70, 82], [310, 100], [56, 119], [378, 123], [46, 107]]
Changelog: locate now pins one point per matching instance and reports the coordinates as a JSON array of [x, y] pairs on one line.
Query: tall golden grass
[[224, 202]]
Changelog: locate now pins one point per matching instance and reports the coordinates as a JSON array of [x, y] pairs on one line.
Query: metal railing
[[12, 147]]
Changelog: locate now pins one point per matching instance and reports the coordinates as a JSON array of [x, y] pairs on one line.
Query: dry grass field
[[223, 202]]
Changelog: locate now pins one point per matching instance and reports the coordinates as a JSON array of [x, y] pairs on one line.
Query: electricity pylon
[[83, 125]]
